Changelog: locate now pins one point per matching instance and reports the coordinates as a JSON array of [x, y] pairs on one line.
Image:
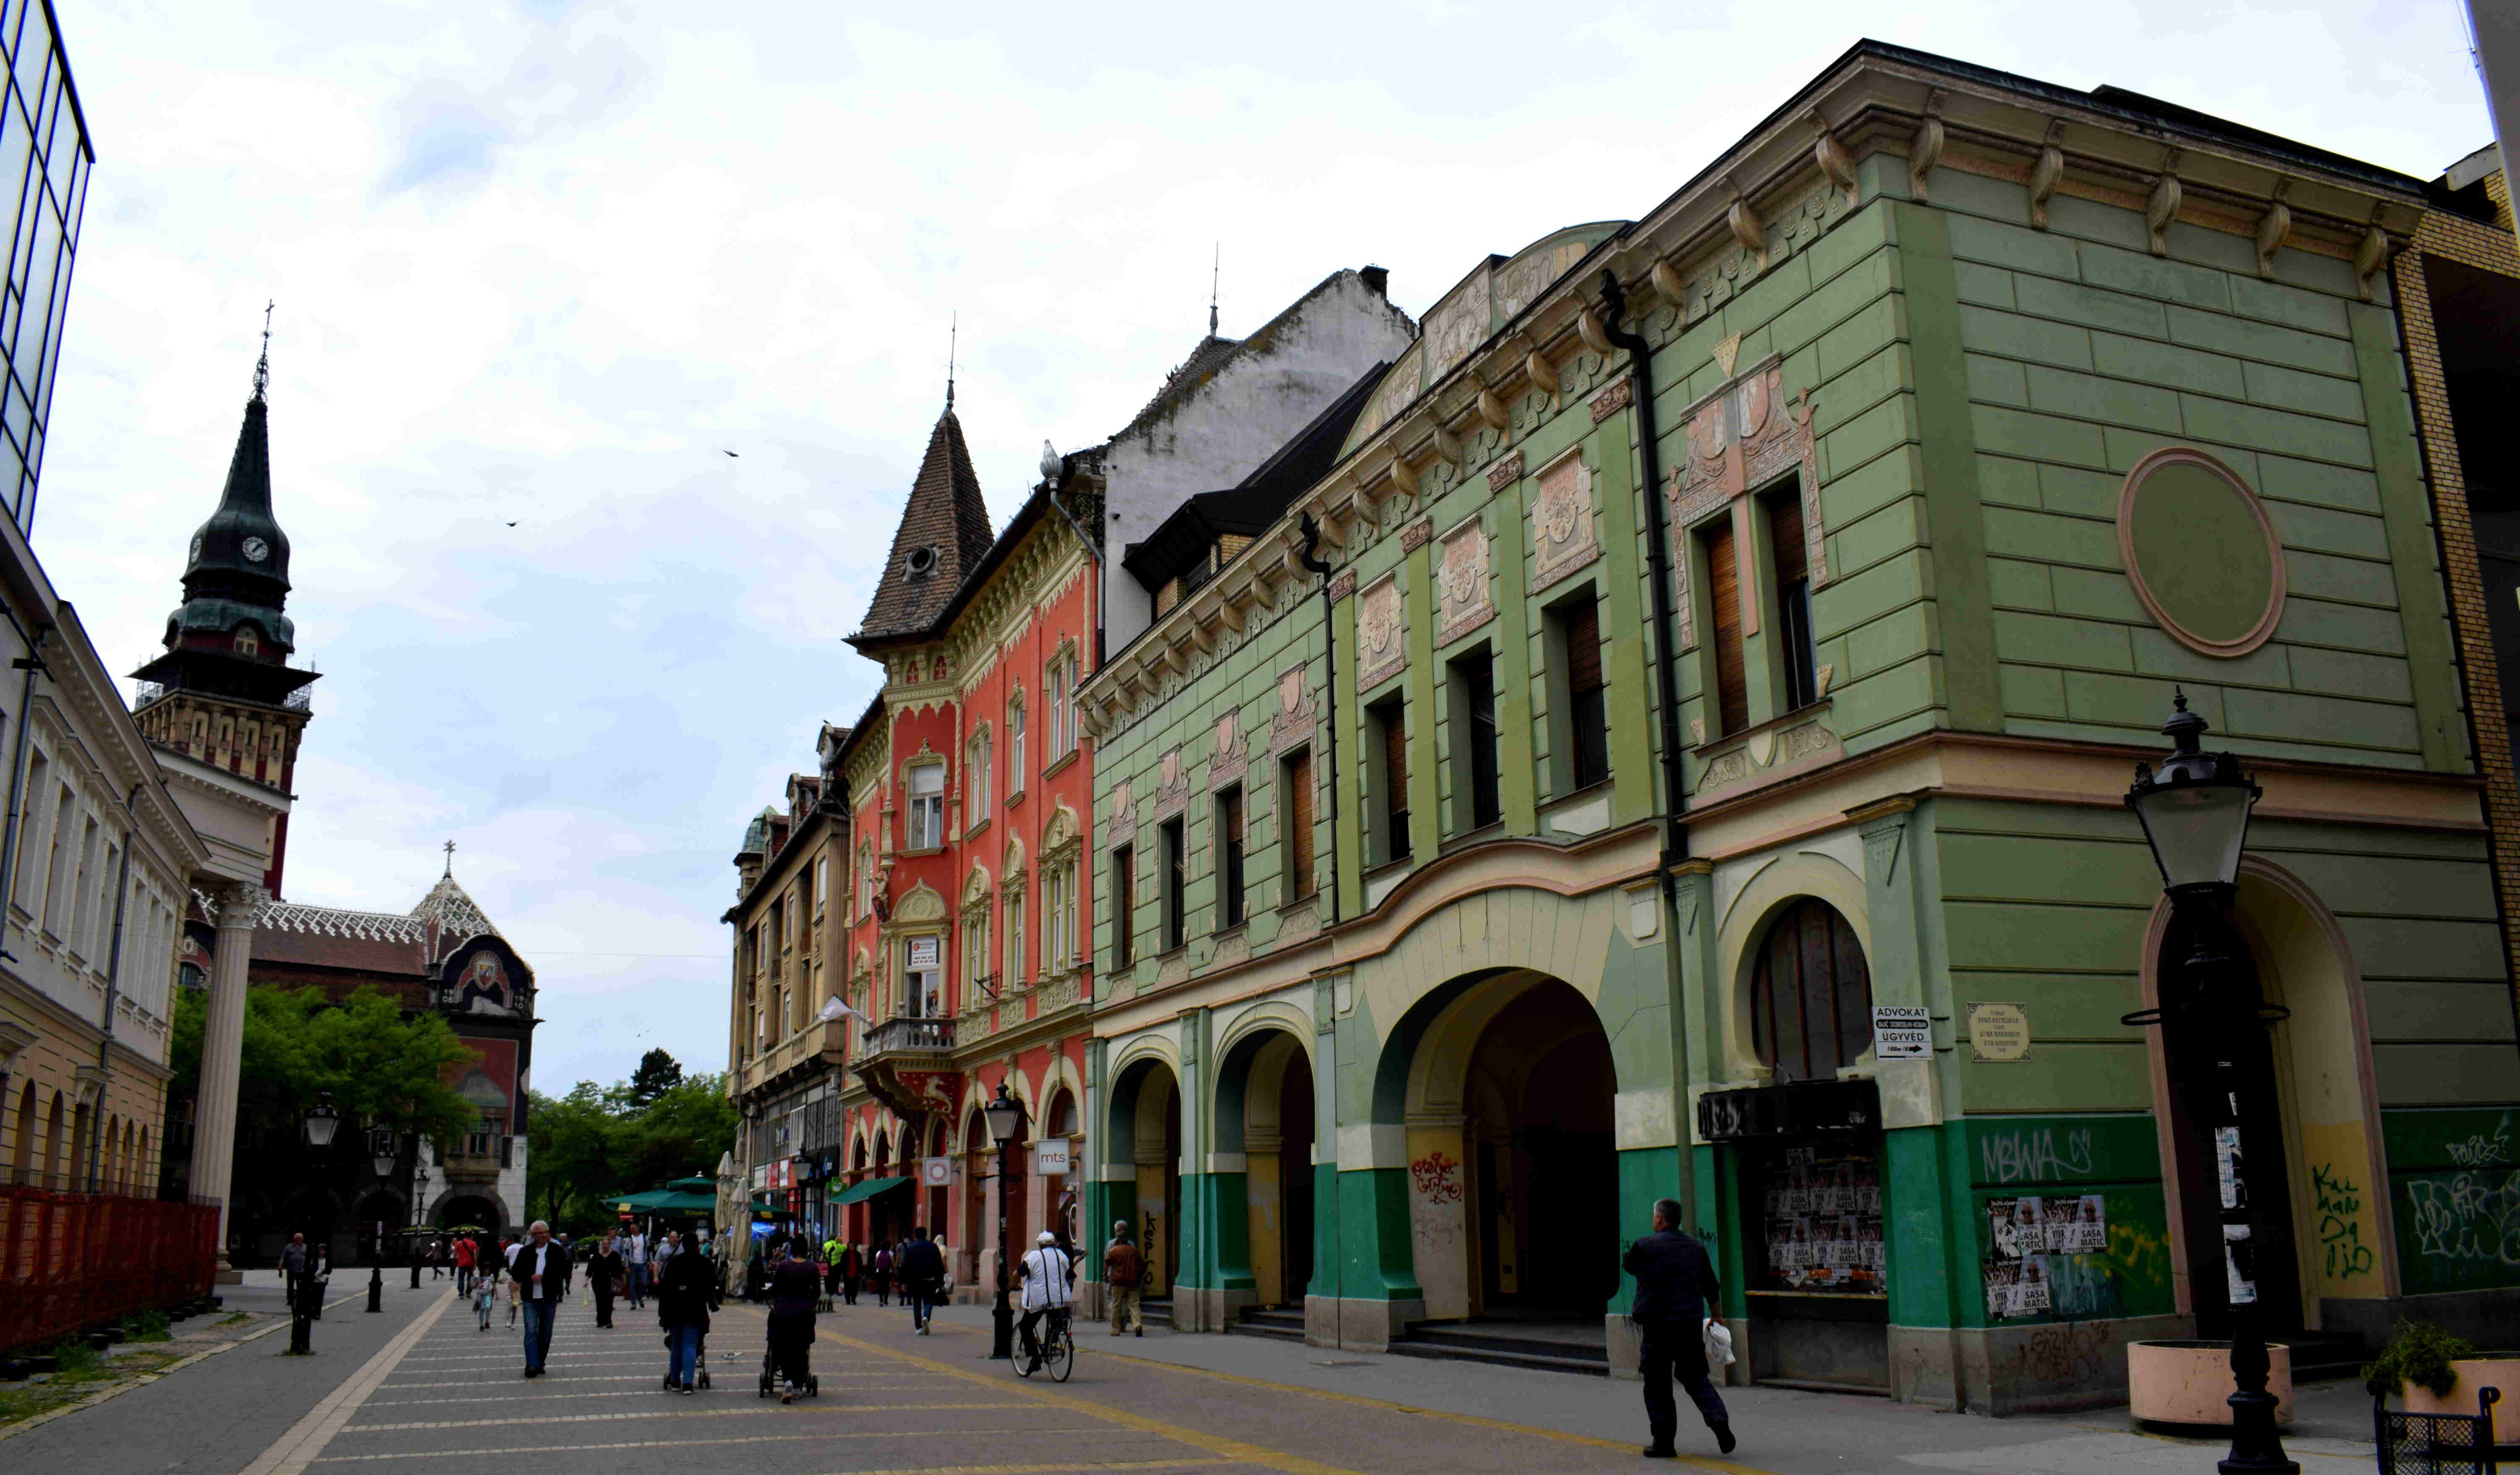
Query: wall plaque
[[1999, 1031]]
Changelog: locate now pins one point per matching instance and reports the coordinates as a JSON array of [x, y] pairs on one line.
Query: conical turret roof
[[243, 540], [943, 535]]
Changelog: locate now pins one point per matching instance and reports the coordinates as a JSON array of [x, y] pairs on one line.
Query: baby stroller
[[813, 1385], [700, 1359]]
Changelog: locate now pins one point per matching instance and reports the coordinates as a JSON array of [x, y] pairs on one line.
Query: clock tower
[[224, 693]]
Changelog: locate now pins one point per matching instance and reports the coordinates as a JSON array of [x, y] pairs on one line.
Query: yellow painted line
[[756, 1410], [513, 1452], [1231, 1451], [1387, 1406], [554, 1398]]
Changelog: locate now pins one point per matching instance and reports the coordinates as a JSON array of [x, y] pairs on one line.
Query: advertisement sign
[[1900, 1032], [1049, 1158], [923, 951], [936, 1172]]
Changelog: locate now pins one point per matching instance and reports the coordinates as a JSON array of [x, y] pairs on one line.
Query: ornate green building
[[1918, 448]]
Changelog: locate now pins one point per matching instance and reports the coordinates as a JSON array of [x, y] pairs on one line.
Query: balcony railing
[[920, 1035]]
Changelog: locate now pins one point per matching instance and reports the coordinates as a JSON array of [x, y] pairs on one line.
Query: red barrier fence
[[74, 1260]]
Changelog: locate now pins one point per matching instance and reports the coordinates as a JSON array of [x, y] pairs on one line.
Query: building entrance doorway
[[1264, 1110], [1146, 1144]]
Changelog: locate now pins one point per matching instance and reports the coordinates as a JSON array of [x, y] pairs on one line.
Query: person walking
[[683, 1289], [883, 1274], [634, 1255], [831, 1267], [317, 1279], [922, 1278], [539, 1269], [293, 1264], [851, 1269], [1124, 1273], [485, 1294], [795, 1289], [1049, 1275], [604, 1272], [438, 1257], [1674, 1294], [466, 1252]]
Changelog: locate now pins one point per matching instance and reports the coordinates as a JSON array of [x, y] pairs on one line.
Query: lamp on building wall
[[2195, 815], [1005, 1124]]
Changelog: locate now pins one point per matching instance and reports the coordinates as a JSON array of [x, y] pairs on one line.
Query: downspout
[[113, 992], [30, 663], [1614, 311], [1315, 563]]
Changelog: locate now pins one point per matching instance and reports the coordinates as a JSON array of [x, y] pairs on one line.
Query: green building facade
[[1984, 415]]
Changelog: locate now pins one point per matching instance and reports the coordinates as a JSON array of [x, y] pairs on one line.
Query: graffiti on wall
[[2339, 1205], [2033, 1154], [2466, 1217], [2483, 1150]]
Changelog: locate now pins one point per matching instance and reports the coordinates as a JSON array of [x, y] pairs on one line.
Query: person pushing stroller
[[795, 1285]]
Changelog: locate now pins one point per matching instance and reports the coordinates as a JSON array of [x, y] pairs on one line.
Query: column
[[214, 1108]]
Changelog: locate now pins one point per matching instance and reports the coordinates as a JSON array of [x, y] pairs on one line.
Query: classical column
[[214, 1106]]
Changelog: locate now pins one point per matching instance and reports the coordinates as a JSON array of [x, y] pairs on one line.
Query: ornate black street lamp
[[2195, 815], [381, 1156], [1005, 1124], [323, 1119], [419, 1182]]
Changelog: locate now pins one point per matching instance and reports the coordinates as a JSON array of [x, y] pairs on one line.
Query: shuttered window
[[1296, 805], [1794, 598], [1724, 593], [1811, 993]]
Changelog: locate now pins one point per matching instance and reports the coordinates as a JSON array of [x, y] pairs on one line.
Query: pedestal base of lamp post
[[299, 1325], [376, 1288], [1001, 1331]]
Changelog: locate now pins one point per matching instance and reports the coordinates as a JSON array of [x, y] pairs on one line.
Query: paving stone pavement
[[418, 1391]]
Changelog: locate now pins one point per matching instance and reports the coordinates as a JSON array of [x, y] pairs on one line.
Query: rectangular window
[[1016, 749], [1475, 800], [1586, 727], [1124, 907], [1295, 826], [1175, 883], [57, 866], [922, 975], [821, 883], [1014, 976], [1063, 735], [1794, 599], [976, 773], [927, 819], [30, 883], [1058, 918], [1229, 857], [1387, 725], [1731, 706], [975, 951]]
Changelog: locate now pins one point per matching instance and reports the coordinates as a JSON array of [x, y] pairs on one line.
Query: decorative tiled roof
[[339, 922], [944, 534], [457, 915]]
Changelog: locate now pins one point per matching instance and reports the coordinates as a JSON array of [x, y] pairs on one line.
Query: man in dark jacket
[[1674, 1293], [922, 1277], [605, 1272], [540, 1269], [683, 1289]]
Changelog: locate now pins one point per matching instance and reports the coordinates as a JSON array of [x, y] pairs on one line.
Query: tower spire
[[1215, 270], [953, 336], [262, 365]]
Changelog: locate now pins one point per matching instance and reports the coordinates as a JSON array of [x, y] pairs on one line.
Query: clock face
[[256, 549], [197, 548]]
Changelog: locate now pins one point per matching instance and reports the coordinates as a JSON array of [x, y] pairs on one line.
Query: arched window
[[1063, 1115], [1811, 993]]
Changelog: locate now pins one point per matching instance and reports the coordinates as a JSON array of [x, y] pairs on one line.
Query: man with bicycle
[[1049, 1275]]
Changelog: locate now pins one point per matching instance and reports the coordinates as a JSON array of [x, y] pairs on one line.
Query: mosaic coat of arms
[[1562, 536], [1463, 601]]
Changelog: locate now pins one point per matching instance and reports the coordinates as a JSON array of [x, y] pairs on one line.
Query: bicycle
[[1055, 1350]]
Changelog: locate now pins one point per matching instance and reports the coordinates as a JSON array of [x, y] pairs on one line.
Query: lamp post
[[323, 1119], [381, 1156], [1005, 1124], [2195, 817], [419, 1182]]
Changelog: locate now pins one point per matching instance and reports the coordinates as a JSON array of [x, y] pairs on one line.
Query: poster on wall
[[1823, 1221], [924, 951], [2023, 1233]]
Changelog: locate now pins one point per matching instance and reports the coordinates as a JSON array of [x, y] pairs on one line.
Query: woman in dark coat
[[795, 1289], [852, 1269], [682, 1309]]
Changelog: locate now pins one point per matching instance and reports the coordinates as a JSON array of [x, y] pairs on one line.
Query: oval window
[[2201, 552]]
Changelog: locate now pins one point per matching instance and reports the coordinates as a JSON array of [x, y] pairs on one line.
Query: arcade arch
[[1264, 1112], [1144, 1143]]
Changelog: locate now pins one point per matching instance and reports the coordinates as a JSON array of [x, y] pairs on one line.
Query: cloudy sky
[[546, 263]]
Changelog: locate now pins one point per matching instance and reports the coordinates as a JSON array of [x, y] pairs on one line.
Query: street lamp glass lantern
[[1005, 1117], [380, 1152], [323, 1119], [2195, 811]]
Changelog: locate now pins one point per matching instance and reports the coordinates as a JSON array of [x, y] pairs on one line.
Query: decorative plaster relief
[[1294, 723], [1172, 792], [1462, 602], [1724, 770], [1458, 325], [1743, 437], [1564, 533], [1381, 633], [1615, 396], [2201, 552], [1415, 535], [1226, 765], [1123, 825], [1343, 585], [1506, 473]]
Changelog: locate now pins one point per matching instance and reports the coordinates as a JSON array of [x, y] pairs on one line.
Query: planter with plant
[[2435, 1372]]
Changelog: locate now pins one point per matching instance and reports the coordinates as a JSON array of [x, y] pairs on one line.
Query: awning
[[859, 1192]]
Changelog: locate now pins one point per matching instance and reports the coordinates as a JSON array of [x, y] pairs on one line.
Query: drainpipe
[[1314, 563], [1614, 311], [30, 663]]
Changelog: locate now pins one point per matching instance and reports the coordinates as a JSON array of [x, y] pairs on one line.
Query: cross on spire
[[953, 336], [450, 860], [262, 365], [1215, 270]]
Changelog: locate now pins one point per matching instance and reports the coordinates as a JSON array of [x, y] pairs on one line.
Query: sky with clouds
[[546, 263]]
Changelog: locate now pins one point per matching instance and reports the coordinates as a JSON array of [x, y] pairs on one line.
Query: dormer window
[[246, 644], [920, 562]]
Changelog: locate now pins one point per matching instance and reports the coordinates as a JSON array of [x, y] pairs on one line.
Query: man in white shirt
[[1049, 1275], [634, 1254]]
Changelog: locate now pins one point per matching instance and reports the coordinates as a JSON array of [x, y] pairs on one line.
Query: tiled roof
[[336, 921], [944, 533], [457, 915]]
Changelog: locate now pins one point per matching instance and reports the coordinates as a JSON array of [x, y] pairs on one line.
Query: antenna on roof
[[1215, 269], [952, 333], [262, 365]]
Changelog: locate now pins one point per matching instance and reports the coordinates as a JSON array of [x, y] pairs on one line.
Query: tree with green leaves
[[657, 1073], [599, 1141]]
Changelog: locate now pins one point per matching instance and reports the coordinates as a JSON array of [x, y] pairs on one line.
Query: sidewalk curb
[[106, 1394]]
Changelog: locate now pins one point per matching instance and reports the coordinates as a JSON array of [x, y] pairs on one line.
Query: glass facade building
[[44, 144]]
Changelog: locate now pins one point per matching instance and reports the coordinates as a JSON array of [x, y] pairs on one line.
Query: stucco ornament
[[1225, 766], [1380, 631], [1463, 583], [1742, 438], [1561, 520]]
